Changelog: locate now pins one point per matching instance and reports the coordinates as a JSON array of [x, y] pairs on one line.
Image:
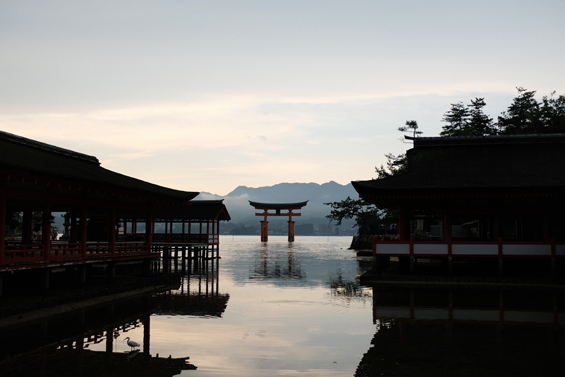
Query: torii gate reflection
[[277, 207]]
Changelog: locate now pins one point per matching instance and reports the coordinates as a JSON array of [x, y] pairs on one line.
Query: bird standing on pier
[[132, 343]]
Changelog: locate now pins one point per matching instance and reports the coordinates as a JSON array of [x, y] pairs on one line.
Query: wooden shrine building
[[110, 218], [286, 209], [497, 197]]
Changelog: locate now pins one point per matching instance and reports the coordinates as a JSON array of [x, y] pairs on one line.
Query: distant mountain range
[[241, 212]]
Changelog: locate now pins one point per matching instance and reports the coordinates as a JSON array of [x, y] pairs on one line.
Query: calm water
[[282, 316], [280, 309]]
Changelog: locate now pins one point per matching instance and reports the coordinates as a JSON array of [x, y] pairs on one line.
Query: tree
[[522, 116], [479, 124], [552, 114], [411, 126], [469, 120], [456, 119], [397, 164], [368, 218], [394, 165]]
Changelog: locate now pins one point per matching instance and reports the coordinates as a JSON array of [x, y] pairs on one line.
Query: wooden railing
[[185, 238], [23, 253], [16, 253], [467, 248], [213, 239]]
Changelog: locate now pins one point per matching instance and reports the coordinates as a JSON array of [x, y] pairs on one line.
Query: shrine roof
[[196, 209], [36, 158], [259, 205], [479, 164]]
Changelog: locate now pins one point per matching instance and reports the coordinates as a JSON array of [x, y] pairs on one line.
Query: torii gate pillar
[[277, 207], [264, 230], [290, 231]]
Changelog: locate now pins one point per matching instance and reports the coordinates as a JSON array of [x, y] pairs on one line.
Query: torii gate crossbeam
[[280, 209]]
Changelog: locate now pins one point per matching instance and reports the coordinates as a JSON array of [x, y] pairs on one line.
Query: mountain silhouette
[[237, 201]]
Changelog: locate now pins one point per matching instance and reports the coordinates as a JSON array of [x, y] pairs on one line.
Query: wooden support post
[[166, 259], [27, 225], [500, 257], [146, 335], [149, 229], [183, 260], [82, 275], [2, 228], [411, 258], [403, 233], [46, 231], [83, 230], [176, 260], [264, 231], [45, 276], [553, 272], [447, 237], [111, 271], [109, 340], [290, 231], [112, 231], [147, 267]]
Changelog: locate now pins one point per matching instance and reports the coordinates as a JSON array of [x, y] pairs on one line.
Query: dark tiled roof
[[494, 163], [44, 160], [197, 209], [258, 205]]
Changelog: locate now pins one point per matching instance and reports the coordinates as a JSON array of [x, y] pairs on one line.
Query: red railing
[[23, 253], [451, 248], [213, 239], [62, 250], [185, 238]]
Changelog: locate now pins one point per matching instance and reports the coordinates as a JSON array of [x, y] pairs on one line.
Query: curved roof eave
[[260, 205]]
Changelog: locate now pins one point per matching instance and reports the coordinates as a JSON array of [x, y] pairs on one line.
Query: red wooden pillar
[[112, 231], [447, 237], [27, 225], [83, 228], [2, 226], [402, 225], [149, 229], [264, 230], [290, 231], [189, 230], [46, 231], [73, 230]]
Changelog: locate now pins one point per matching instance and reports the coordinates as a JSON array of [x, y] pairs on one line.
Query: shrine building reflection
[[466, 331]]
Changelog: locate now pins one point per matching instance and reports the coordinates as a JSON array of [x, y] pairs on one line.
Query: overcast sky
[[210, 95]]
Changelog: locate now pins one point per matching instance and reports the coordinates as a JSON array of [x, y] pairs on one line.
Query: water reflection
[[466, 332], [278, 264], [348, 289], [87, 342]]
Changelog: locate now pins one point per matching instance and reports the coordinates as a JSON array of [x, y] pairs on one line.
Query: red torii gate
[[277, 207]]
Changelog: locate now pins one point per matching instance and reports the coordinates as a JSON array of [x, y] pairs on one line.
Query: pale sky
[[210, 95]]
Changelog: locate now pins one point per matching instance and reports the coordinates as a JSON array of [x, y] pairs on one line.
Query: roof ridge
[[47, 147]]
